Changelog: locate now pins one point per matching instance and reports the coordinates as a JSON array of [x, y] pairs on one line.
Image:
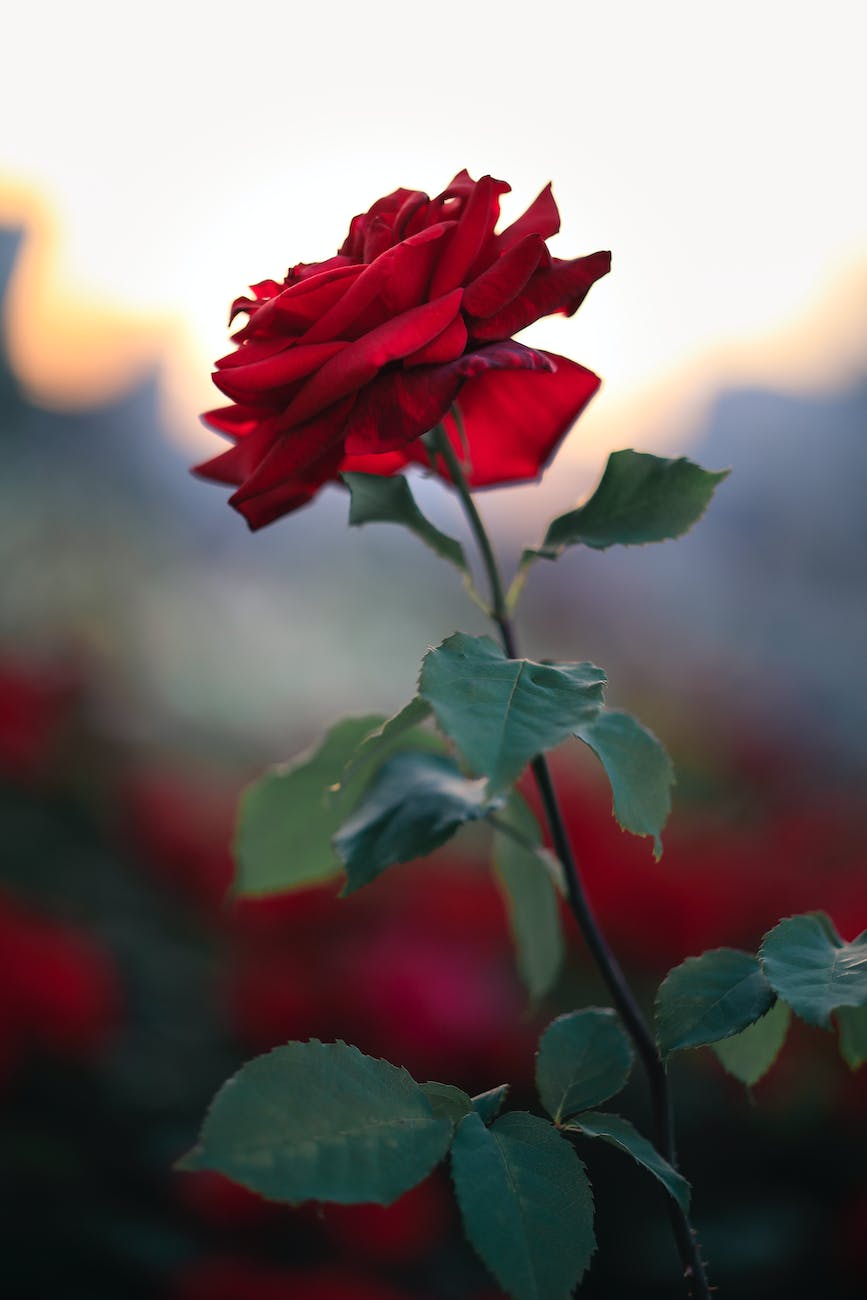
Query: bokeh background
[[154, 655]]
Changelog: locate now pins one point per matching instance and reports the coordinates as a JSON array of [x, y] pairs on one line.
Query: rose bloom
[[348, 362]]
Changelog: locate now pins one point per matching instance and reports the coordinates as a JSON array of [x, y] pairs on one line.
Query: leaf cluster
[[377, 792], [323, 1122], [741, 1005]]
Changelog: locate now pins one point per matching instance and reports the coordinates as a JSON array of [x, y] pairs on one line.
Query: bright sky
[[179, 150]]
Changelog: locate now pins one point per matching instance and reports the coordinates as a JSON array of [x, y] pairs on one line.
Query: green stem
[[609, 968], [441, 444]]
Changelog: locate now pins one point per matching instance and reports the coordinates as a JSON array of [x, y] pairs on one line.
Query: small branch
[[607, 964]]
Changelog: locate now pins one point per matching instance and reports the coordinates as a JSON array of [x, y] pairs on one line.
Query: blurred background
[[154, 656]]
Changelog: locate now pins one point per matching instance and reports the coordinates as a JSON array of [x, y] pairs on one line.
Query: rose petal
[[353, 245], [425, 215], [244, 382], [292, 454], [476, 224], [402, 405], [239, 462], [400, 275], [306, 270], [561, 287], [515, 421], [386, 463], [264, 289], [361, 361], [302, 303], [414, 201], [504, 279], [399, 407], [377, 238], [541, 218], [292, 494], [233, 421], [251, 350], [461, 186], [445, 347]]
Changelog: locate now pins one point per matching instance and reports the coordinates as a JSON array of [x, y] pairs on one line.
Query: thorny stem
[[606, 962]]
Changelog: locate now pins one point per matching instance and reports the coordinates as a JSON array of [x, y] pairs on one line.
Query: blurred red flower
[[180, 824], [419, 971], [723, 881], [219, 1201], [347, 362], [394, 1234], [236, 1278], [34, 709], [58, 990]]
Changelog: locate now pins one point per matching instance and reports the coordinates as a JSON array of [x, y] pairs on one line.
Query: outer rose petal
[[561, 287], [255, 350], [244, 382], [401, 405], [461, 186], [300, 303], [386, 463], [514, 421], [240, 461], [264, 289], [232, 421], [288, 495], [541, 218], [291, 455], [303, 270]]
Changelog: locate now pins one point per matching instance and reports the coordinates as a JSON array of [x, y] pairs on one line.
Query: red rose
[[391, 1235], [228, 1277], [348, 362], [58, 989], [35, 711]]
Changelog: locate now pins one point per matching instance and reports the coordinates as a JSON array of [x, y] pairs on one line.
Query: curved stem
[[606, 962]]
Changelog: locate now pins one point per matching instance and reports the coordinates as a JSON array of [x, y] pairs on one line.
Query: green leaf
[[414, 804], [447, 1101], [640, 498], [402, 731], [502, 712], [380, 499], [287, 817], [710, 997], [751, 1053], [488, 1105], [526, 1204], [816, 972], [584, 1058], [620, 1133], [321, 1122], [531, 899], [852, 1026], [638, 768]]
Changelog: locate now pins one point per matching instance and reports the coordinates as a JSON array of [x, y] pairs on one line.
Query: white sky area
[[171, 153]]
